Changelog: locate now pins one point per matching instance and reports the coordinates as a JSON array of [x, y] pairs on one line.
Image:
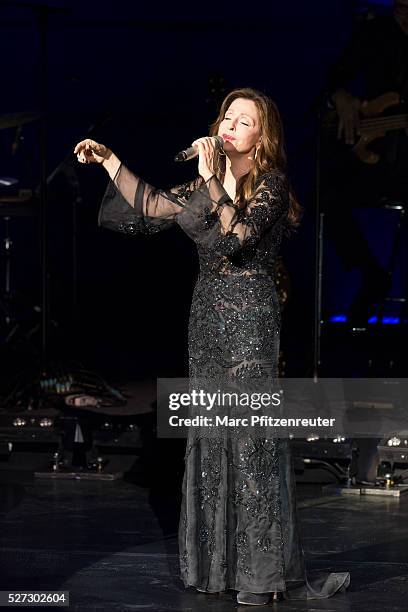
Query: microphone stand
[[319, 225], [42, 16], [315, 110], [67, 167]]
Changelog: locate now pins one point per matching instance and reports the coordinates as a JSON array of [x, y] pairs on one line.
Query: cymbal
[[16, 119], [8, 181]]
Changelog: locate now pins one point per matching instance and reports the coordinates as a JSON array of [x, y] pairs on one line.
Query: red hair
[[271, 155]]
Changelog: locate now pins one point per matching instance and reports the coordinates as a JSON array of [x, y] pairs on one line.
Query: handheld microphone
[[192, 152]]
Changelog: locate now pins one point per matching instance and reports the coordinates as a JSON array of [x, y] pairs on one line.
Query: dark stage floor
[[113, 545]]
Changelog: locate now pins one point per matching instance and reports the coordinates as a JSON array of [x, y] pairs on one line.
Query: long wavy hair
[[271, 154]]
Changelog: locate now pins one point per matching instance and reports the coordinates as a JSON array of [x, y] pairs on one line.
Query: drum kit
[[12, 205]]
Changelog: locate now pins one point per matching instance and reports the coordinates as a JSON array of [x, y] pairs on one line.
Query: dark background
[[141, 76]]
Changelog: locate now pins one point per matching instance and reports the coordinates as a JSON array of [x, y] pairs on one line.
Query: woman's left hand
[[206, 156]]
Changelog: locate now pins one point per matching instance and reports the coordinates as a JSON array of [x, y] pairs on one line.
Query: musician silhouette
[[367, 165]]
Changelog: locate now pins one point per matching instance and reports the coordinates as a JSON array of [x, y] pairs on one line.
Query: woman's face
[[240, 127]]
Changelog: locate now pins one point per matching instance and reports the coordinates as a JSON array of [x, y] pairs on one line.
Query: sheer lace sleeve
[[132, 206], [183, 192], [231, 229]]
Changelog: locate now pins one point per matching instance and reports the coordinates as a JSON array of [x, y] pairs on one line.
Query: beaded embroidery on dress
[[238, 525]]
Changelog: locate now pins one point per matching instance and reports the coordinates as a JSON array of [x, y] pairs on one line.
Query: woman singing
[[238, 525]]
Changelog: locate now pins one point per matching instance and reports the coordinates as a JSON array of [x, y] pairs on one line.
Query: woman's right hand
[[88, 151]]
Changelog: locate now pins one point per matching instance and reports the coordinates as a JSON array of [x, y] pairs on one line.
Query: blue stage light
[[341, 318], [338, 319]]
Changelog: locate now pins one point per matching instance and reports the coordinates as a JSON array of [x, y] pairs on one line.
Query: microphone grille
[[219, 140]]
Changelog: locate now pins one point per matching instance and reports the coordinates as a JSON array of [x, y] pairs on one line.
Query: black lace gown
[[238, 525]]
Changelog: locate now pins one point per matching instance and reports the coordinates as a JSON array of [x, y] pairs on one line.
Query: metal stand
[[67, 167], [319, 216], [401, 225], [318, 296], [77, 456], [8, 299], [8, 243]]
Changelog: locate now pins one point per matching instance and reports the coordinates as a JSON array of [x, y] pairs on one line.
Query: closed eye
[[243, 122]]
